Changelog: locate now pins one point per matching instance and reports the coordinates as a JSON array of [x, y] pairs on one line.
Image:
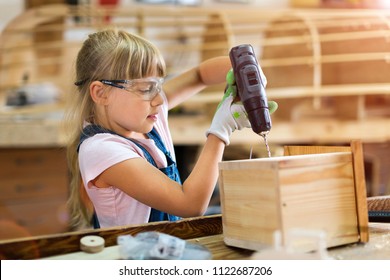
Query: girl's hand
[[231, 114]]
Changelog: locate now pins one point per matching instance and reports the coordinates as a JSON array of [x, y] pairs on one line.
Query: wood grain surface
[[379, 208], [206, 231], [50, 245], [379, 203]]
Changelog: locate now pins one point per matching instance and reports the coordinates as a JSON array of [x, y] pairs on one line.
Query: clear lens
[[147, 88]]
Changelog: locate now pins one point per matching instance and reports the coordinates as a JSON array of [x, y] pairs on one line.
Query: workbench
[[205, 230]]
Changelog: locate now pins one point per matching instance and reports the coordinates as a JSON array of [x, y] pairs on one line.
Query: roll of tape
[[92, 244]]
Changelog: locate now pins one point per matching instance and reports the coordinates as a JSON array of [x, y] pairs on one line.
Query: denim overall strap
[[171, 170]]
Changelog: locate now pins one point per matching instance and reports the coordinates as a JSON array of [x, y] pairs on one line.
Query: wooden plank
[[311, 131], [377, 248], [292, 93], [359, 178], [321, 195], [49, 245], [379, 209], [250, 203], [305, 150], [360, 189], [379, 203], [332, 37], [35, 131], [207, 233], [214, 243]]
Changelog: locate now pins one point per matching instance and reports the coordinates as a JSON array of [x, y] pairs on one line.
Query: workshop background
[[327, 65]]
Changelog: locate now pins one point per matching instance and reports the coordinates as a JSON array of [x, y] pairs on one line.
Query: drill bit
[[264, 135]]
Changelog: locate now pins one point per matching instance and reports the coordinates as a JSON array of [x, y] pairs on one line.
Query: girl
[[120, 154]]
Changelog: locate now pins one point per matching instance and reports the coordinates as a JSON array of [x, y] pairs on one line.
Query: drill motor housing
[[251, 87]]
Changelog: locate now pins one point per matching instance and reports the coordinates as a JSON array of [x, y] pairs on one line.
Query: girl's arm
[[147, 184], [210, 72]]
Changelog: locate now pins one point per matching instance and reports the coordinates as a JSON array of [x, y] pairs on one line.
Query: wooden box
[[310, 188]]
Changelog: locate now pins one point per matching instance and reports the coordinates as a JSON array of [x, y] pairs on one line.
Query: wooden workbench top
[[206, 231]]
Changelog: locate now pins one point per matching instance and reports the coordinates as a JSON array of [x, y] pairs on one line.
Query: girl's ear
[[98, 93]]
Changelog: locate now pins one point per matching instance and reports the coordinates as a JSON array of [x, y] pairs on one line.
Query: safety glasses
[[147, 88]]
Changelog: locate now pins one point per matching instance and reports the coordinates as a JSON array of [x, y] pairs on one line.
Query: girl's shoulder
[[107, 145], [103, 150]]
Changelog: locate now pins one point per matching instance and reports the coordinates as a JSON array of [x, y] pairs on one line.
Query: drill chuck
[[260, 120]]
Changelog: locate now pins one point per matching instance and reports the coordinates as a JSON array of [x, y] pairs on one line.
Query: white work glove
[[229, 116]]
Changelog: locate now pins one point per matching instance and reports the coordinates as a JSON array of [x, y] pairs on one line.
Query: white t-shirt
[[99, 152]]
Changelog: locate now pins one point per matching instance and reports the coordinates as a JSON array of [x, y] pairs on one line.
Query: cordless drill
[[251, 87]]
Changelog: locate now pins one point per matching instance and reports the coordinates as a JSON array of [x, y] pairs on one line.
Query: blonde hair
[[110, 54]]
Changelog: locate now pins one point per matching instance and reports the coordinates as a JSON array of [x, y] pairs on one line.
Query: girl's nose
[[157, 100]]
